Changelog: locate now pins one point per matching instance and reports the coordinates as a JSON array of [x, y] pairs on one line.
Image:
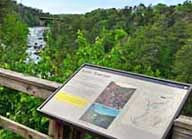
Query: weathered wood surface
[[22, 130], [43, 88], [56, 130], [31, 85], [183, 128]]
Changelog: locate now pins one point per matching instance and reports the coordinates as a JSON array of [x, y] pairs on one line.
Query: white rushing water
[[35, 43]]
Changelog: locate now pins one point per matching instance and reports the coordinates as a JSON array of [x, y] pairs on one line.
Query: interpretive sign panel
[[117, 104]]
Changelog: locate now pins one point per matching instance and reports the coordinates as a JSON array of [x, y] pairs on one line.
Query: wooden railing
[[42, 88], [32, 86]]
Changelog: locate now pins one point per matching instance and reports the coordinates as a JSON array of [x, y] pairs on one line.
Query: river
[[36, 43]]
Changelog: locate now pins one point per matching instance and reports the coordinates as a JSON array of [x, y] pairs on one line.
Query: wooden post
[[56, 129], [51, 127], [77, 134], [182, 128]]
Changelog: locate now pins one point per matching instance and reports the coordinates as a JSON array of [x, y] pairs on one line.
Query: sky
[[83, 6]]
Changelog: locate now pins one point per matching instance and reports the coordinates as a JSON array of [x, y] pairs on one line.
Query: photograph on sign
[[108, 105], [117, 104]]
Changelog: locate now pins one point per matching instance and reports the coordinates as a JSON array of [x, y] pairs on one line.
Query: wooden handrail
[[31, 85], [43, 88], [22, 130]]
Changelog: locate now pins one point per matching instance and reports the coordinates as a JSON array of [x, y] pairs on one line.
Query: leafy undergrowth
[[22, 109], [5, 134]]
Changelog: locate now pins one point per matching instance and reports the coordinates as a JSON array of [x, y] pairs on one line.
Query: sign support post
[[56, 129]]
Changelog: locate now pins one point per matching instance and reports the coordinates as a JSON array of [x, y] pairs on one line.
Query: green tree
[[13, 37], [183, 63]]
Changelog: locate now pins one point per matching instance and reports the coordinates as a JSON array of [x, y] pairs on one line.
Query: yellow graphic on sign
[[71, 99]]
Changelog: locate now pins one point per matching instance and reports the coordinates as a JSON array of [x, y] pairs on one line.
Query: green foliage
[[4, 134], [183, 63], [13, 44], [12, 30], [4, 8], [153, 40]]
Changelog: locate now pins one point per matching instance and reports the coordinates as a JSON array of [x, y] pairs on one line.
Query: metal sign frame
[[126, 74]]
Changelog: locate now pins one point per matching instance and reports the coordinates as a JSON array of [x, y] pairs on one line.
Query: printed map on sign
[[152, 112], [117, 104]]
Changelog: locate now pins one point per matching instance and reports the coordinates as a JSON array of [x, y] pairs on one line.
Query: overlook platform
[[41, 88]]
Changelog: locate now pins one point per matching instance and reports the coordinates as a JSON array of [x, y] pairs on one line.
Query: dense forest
[[152, 40]]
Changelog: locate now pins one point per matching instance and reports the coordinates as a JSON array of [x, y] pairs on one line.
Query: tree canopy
[[152, 40]]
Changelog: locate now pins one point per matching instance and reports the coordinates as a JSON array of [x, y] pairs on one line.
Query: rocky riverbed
[[36, 43]]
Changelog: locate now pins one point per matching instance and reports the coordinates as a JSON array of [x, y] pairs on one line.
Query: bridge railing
[[43, 88]]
